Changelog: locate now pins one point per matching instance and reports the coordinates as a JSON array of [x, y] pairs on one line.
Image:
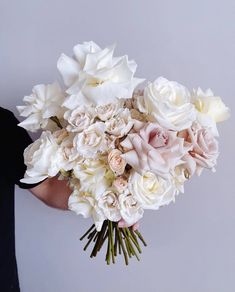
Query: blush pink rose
[[116, 162], [153, 148], [204, 149]]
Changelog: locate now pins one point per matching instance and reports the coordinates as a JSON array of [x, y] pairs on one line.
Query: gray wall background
[[192, 242]]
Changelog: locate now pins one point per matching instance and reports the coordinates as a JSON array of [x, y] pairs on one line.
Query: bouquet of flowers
[[123, 148]]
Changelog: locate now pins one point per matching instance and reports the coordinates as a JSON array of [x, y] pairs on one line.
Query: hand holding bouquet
[[123, 149]]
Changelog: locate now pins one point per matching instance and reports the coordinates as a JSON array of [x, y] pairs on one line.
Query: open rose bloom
[[123, 144]]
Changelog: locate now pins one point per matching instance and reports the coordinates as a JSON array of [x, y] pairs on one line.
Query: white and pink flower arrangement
[[124, 148]]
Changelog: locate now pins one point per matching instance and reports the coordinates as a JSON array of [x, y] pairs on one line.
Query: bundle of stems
[[119, 241]]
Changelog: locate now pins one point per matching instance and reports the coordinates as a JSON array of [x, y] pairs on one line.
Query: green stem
[[111, 240], [130, 244], [115, 241], [141, 237], [126, 243], [99, 239], [89, 241], [122, 246], [96, 236], [134, 240], [119, 244], [89, 236], [108, 250], [103, 240], [88, 231]]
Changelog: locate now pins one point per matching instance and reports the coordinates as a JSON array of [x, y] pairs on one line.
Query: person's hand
[[122, 224], [53, 192]]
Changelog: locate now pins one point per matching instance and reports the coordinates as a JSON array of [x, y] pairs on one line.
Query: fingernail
[[121, 224], [136, 226]]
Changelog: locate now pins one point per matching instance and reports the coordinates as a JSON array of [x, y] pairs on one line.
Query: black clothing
[[14, 140]]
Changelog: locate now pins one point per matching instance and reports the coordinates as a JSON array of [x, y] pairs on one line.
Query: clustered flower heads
[[125, 148]]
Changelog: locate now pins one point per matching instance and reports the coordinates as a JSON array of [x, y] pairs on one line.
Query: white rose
[[168, 103], [130, 208], [151, 191], [121, 124], [94, 175], [106, 112], [109, 204], [84, 203], [44, 102], [94, 76], [210, 109], [79, 119], [91, 141], [41, 159]]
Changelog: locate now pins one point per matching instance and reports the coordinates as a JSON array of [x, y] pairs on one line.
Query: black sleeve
[[15, 140]]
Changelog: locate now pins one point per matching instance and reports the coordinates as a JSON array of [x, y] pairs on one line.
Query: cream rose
[[79, 119], [94, 175], [41, 159], [85, 204], [152, 148], [151, 191], [91, 141], [116, 162], [121, 124], [168, 103], [109, 204], [179, 176], [130, 208], [210, 109]]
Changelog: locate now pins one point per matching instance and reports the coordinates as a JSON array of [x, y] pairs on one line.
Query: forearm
[[53, 192]]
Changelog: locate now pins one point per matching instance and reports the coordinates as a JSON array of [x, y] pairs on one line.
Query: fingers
[[123, 224], [136, 226]]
